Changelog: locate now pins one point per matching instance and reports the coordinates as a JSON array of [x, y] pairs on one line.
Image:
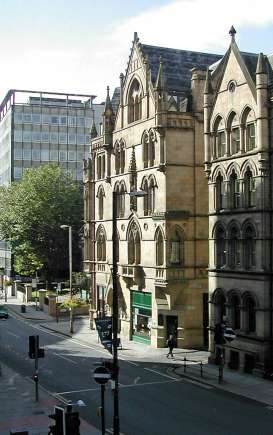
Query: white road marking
[[77, 391], [136, 380], [12, 333], [64, 357], [129, 362], [159, 373]]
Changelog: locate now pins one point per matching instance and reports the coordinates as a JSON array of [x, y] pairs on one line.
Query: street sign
[[101, 375], [229, 334]]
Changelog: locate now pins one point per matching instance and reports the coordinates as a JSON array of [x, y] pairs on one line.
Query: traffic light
[[219, 334], [32, 345], [72, 423], [58, 427]]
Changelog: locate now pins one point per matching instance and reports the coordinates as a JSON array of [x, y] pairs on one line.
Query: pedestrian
[[170, 343]]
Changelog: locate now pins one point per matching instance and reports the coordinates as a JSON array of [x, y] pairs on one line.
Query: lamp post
[[70, 270], [134, 193]]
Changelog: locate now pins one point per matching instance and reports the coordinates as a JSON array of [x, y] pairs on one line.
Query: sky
[[82, 46]]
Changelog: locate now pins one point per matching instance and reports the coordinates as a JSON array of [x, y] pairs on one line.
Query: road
[[153, 400]]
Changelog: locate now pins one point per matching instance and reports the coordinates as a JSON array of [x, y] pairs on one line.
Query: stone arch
[[218, 119], [249, 164], [230, 118], [219, 170]]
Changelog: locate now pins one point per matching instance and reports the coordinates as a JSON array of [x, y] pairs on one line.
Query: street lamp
[[133, 193], [70, 270]]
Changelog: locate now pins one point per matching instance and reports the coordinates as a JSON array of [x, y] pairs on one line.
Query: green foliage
[[32, 211], [72, 303]]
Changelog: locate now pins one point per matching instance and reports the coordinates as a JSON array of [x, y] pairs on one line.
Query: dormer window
[[134, 102]]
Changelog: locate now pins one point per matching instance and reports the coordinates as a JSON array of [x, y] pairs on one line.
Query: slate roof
[[115, 99], [176, 65]]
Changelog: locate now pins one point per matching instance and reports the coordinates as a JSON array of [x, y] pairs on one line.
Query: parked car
[[4, 314]]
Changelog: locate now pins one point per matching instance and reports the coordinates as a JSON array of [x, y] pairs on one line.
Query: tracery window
[[146, 198], [159, 249], [249, 245], [134, 102], [234, 191], [220, 247], [234, 252], [219, 193], [134, 245], [177, 248], [249, 189], [101, 196], [101, 245]]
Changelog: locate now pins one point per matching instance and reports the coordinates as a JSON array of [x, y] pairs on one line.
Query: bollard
[[201, 369], [185, 365]]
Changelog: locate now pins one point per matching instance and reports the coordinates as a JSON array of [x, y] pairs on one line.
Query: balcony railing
[[100, 267], [164, 275]]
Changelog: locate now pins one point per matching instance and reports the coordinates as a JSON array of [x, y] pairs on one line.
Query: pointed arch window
[[235, 140], [177, 248], [122, 201], [250, 136], [249, 243], [151, 196], [117, 159], [219, 192], [159, 249], [101, 245], [250, 308], [249, 189], [235, 312], [234, 248], [219, 307], [220, 247], [134, 246], [146, 198], [145, 144], [234, 191], [134, 102], [122, 157], [100, 196]]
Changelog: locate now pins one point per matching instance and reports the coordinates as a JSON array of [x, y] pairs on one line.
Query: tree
[[32, 211]]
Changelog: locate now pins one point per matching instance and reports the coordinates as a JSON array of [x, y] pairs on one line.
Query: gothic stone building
[[153, 141], [238, 160]]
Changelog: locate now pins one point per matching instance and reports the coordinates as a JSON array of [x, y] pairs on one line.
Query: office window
[[46, 119], [54, 155], [80, 121], [27, 117], [63, 138], [18, 135], [44, 136], [44, 155], [72, 121], [72, 138], [71, 156], [36, 136], [80, 155], [79, 174], [36, 118], [27, 136], [17, 172], [54, 120], [63, 120], [18, 118], [63, 155], [80, 139], [54, 137], [18, 154], [36, 155], [88, 122], [27, 154], [87, 139]]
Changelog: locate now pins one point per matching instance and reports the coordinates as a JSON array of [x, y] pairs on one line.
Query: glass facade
[[40, 131]]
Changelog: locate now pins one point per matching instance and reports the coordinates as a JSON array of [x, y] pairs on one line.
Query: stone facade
[[238, 160], [152, 142]]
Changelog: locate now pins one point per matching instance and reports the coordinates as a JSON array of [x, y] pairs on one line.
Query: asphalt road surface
[[153, 400]]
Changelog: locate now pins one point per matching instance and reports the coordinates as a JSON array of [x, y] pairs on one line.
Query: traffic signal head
[[72, 423], [33, 341], [219, 334], [58, 427]]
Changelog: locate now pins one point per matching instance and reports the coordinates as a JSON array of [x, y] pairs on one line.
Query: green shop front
[[141, 309]]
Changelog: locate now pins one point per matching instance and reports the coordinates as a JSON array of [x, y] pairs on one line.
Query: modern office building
[[153, 142], [238, 162], [37, 128]]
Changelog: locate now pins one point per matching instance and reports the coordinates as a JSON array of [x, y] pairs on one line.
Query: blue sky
[[83, 45]]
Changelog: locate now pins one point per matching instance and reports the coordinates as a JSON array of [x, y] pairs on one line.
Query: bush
[[72, 303]]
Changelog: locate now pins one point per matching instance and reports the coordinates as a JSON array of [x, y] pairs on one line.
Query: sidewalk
[[245, 385], [20, 412]]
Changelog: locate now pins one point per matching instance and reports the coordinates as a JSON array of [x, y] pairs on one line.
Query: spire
[[232, 33], [108, 105], [136, 38], [208, 87], [261, 66], [160, 82], [132, 167], [93, 131]]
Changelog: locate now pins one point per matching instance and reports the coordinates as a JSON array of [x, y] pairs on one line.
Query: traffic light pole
[[36, 369], [115, 314], [102, 410]]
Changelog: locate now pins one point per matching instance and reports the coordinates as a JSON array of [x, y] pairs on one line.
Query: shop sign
[[104, 328]]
